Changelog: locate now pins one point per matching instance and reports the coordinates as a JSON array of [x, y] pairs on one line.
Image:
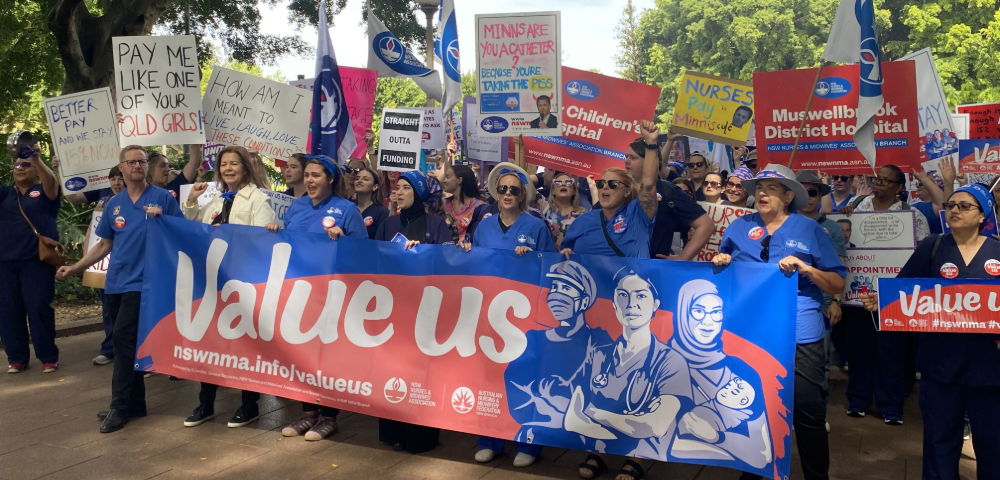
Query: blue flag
[[332, 134], [446, 46]]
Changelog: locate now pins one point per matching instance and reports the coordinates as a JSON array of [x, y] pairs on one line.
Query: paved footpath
[[48, 429]]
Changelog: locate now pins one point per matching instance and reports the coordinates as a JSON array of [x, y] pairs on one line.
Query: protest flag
[[853, 40], [447, 51], [388, 56], [332, 133]]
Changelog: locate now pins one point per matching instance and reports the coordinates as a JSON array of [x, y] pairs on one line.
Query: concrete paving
[[48, 429]]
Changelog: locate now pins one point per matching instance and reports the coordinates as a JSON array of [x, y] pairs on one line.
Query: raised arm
[[194, 160], [49, 182], [651, 169]]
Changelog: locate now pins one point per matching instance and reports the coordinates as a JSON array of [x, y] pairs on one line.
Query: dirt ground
[[76, 310]]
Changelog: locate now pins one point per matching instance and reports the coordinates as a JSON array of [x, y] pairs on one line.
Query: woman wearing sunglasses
[[511, 229], [697, 170], [712, 188], [622, 225], [735, 194], [563, 205], [958, 371], [777, 234], [840, 195]]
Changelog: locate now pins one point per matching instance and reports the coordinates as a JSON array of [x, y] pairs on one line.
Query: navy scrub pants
[[26, 289], [878, 364], [108, 344], [943, 407]]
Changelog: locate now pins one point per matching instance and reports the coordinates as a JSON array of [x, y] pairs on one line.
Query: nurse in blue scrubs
[[511, 229], [777, 234], [959, 372], [623, 223], [322, 209]]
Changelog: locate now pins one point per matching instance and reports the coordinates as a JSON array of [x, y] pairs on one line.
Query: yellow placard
[[714, 108]]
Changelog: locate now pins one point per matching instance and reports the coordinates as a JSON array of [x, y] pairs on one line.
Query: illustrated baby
[[730, 408]]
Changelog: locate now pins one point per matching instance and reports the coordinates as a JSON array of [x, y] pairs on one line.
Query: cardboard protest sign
[[399, 140], [983, 118], [209, 154], [158, 90], [714, 108], [601, 116], [878, 245], [95, 274], [827, 141], [926, 305], [433, 135], [483, 149], [253, 112], [960, 121], [518, 60], [979, 156], [359, 96], [722, 216], [85, 138], [932, 107]]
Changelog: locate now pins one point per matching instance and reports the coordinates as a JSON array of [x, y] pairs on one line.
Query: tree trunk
[[85, 40]]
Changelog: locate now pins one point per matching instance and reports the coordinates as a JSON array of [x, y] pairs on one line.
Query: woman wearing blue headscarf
[[959, 372]]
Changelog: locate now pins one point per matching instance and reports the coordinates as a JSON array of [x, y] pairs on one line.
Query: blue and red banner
[[665, 360], [940, 305], [979, 156]]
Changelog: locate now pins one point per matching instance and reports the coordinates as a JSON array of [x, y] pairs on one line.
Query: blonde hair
[[122, 152], [257, 165], [251, 174], [153, 158], [574, 200], [626, 181], [525, 203]]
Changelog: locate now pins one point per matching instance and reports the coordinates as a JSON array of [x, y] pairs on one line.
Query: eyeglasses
[[713, 184], [752, 166], [22, 165], [612, 184], [841, 178], [700, 313], [734, 185], [503, 189], [963, 206], [695, 164], [880, 181], [354, 170], [765, 245], [812, 192], [132, 163], [564, 183]]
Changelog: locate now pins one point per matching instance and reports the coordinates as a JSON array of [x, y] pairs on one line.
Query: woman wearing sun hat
[[777, 234]]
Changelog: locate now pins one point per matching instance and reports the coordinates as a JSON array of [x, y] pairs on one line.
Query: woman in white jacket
[[239, 202]]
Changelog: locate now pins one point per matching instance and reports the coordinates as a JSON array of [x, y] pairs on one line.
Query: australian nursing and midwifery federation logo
[[463, 400], [832, 87], [388, 48], [582, 90]]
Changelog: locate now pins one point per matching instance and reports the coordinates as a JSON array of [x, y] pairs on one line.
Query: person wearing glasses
[[751, 161], [123, 234], [959, 371], [735, 194], [712, 188], [354, 167], [878, 359], [777, 234], [512, 229], [840, 195], [27, 286], [623, 223], [562, 206], [697, 169]]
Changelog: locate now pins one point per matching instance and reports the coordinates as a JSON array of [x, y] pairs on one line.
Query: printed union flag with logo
[[827, 141], [484, 342], [940, 305]]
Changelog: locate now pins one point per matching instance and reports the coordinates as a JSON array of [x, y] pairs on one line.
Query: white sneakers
[[485, 455], [521, 460]]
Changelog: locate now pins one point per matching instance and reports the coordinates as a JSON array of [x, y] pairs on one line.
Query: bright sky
[[588, 34]]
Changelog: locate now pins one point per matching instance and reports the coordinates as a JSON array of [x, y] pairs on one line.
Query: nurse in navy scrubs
[[321, 210], [776, 234], [368, 193], [511, 229], [959, 372]]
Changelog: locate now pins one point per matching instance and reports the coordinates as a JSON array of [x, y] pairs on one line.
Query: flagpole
[[802, 124]]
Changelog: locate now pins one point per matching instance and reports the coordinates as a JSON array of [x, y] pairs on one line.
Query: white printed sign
[[253, 112], [95, 275], [961, 123], [158, 90], [399, 141], [433, 134], [85, 138], [722, 216], [878, 245], [486, 149]]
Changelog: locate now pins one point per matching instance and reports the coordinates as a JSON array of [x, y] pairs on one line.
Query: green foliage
[[631, 56], [72, 289], [31, 65], [233, 64]]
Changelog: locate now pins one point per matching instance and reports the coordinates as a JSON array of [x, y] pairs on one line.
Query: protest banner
[[85, 138], [932, 107], [400, 139], [960, 121], [518, 60], [379, 338], [939, 305], [479, 148], [979, 156], [601, 116], [279, 201], [158, 90], [95, 274], [827, 141], [878, 245], [983, 118], [359, 85], [714, 108], [253, 112], [722, 216]]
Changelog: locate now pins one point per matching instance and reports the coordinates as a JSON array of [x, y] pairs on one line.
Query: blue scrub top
[[18, 241], [94, 196], [303, 216], [629, 228], [800, 236], [971, 359], [527, 231], [124, 223], [933, 219]]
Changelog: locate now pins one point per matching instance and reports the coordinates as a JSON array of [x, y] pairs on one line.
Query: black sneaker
[[199, 416], [247, 413]]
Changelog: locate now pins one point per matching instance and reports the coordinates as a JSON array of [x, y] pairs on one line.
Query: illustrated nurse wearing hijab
[[959, 372], [728, 421], [627, 397]]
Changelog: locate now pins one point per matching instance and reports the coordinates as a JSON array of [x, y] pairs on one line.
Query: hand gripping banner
[[666, 360]]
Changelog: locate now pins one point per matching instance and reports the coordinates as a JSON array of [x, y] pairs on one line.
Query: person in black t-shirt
[[369, 194]]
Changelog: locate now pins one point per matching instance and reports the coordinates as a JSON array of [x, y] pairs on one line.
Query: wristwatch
[[652, 146]]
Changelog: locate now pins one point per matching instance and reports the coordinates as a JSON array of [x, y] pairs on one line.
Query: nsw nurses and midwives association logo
[[463, 400], [389, 49], [395, 390]]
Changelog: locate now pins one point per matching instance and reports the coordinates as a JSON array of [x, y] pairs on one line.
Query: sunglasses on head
[[569, 182], [612, 184], [695, 164], [841, 178], [504, 189]]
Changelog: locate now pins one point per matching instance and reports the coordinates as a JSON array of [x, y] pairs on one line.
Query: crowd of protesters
[[648, 209]]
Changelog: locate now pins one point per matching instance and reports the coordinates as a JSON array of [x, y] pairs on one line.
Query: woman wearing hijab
[[413, 223], [368, 193], [735, 194], [239, 202], [777, 234], [958, 371]]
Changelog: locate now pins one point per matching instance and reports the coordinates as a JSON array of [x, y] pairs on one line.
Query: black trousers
[[809, 410], [943, 407], [128, 390], [324, 411], [413, 438], [878, 364], [206, 396]]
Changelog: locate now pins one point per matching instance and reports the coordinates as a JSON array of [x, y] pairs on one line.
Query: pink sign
[[359, 92]]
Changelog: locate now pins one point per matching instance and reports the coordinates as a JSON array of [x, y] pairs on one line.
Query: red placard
[[827, 142], [983, 120], [601, 117]]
